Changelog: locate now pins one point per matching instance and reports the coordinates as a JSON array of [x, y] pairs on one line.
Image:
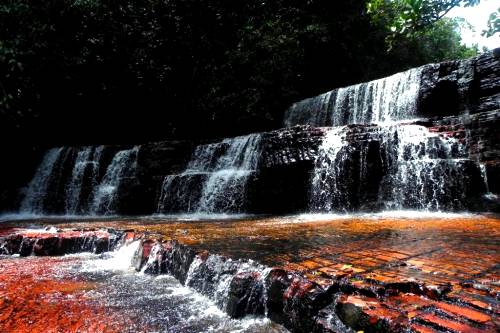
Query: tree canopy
[[88, 71]]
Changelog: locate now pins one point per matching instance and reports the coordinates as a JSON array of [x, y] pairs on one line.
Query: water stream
[[159, 303]]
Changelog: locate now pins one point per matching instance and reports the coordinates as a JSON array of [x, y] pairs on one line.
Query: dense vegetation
[[86, 71]]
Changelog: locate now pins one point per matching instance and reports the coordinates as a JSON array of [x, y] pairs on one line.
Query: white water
[[124, 164], [33, 201], [85, 173], [381, 101], [427, 171], [215, 178], [118, 260], [422, 170], [161, 300], [394, 214]]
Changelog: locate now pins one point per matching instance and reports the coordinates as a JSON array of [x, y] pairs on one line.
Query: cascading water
[[33, 201], [404, 166], [393, 165], [123, 165], [224, 190], [220, 170], [70, 181], [427, 170], [385, 100], [160, 302], [85, 173]]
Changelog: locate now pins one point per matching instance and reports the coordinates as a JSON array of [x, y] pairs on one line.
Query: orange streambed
[[456, 259], [35, 296]]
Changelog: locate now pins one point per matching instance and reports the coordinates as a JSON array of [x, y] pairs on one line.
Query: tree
[[493, 24], [409, 17], [190, 68]]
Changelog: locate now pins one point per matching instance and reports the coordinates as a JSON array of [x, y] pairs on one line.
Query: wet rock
[[27, 247], [142, 255], [59, 243], [246, 295], [10, 244], [327, 321], [46, 246], [212, 277], [101, 245], [294, 301], [177, 260], [369, 315]]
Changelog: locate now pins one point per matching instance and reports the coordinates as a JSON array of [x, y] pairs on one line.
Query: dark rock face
[[60, 243], [294, 301], [245, 295], [461, 87], [284, 175]]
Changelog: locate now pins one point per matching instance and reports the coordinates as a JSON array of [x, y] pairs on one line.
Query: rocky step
[[309, 297], [340, 301], [54, 242]]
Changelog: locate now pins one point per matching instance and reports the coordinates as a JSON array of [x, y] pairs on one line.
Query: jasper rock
[[59, 243], [178, 259], [245, 295], [46, 246], [141, 256], [327, 321], [10, 244], [294, 301], [101, 245], [369, 315], [26, 248]]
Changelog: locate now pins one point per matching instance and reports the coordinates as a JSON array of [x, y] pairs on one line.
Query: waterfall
[[390, 165], [84, 175], [123, 165], [427, 174], [69, 181], [215, 178], [381, 101], [326, 191], [33, 201], [224, 191], [74, 187], [404, 166]]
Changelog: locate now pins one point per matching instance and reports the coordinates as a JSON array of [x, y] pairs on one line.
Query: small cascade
[[381, 101], [236, 286], [215, 178], [326, 191], [484, 175], [33, 202], [123, 165], [76, 181], [427, 169], [396, 167], [84, 177], [118, 260]]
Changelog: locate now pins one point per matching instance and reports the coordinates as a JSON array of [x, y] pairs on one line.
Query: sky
[[478, 16]]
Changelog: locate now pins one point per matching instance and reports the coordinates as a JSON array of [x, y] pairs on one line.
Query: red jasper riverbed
[[423, 274], [37, 296]]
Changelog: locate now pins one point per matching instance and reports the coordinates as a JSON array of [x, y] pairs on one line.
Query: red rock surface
[[34, 297], [420, 275]]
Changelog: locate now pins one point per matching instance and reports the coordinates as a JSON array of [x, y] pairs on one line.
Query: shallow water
[[160, 303], [132, 301]]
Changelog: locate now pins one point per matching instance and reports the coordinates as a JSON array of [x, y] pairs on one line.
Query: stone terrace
[[426, 275]]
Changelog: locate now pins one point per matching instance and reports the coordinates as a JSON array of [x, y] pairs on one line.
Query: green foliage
[[493, 24], [406, 18], [197, 68], [438, 42]]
